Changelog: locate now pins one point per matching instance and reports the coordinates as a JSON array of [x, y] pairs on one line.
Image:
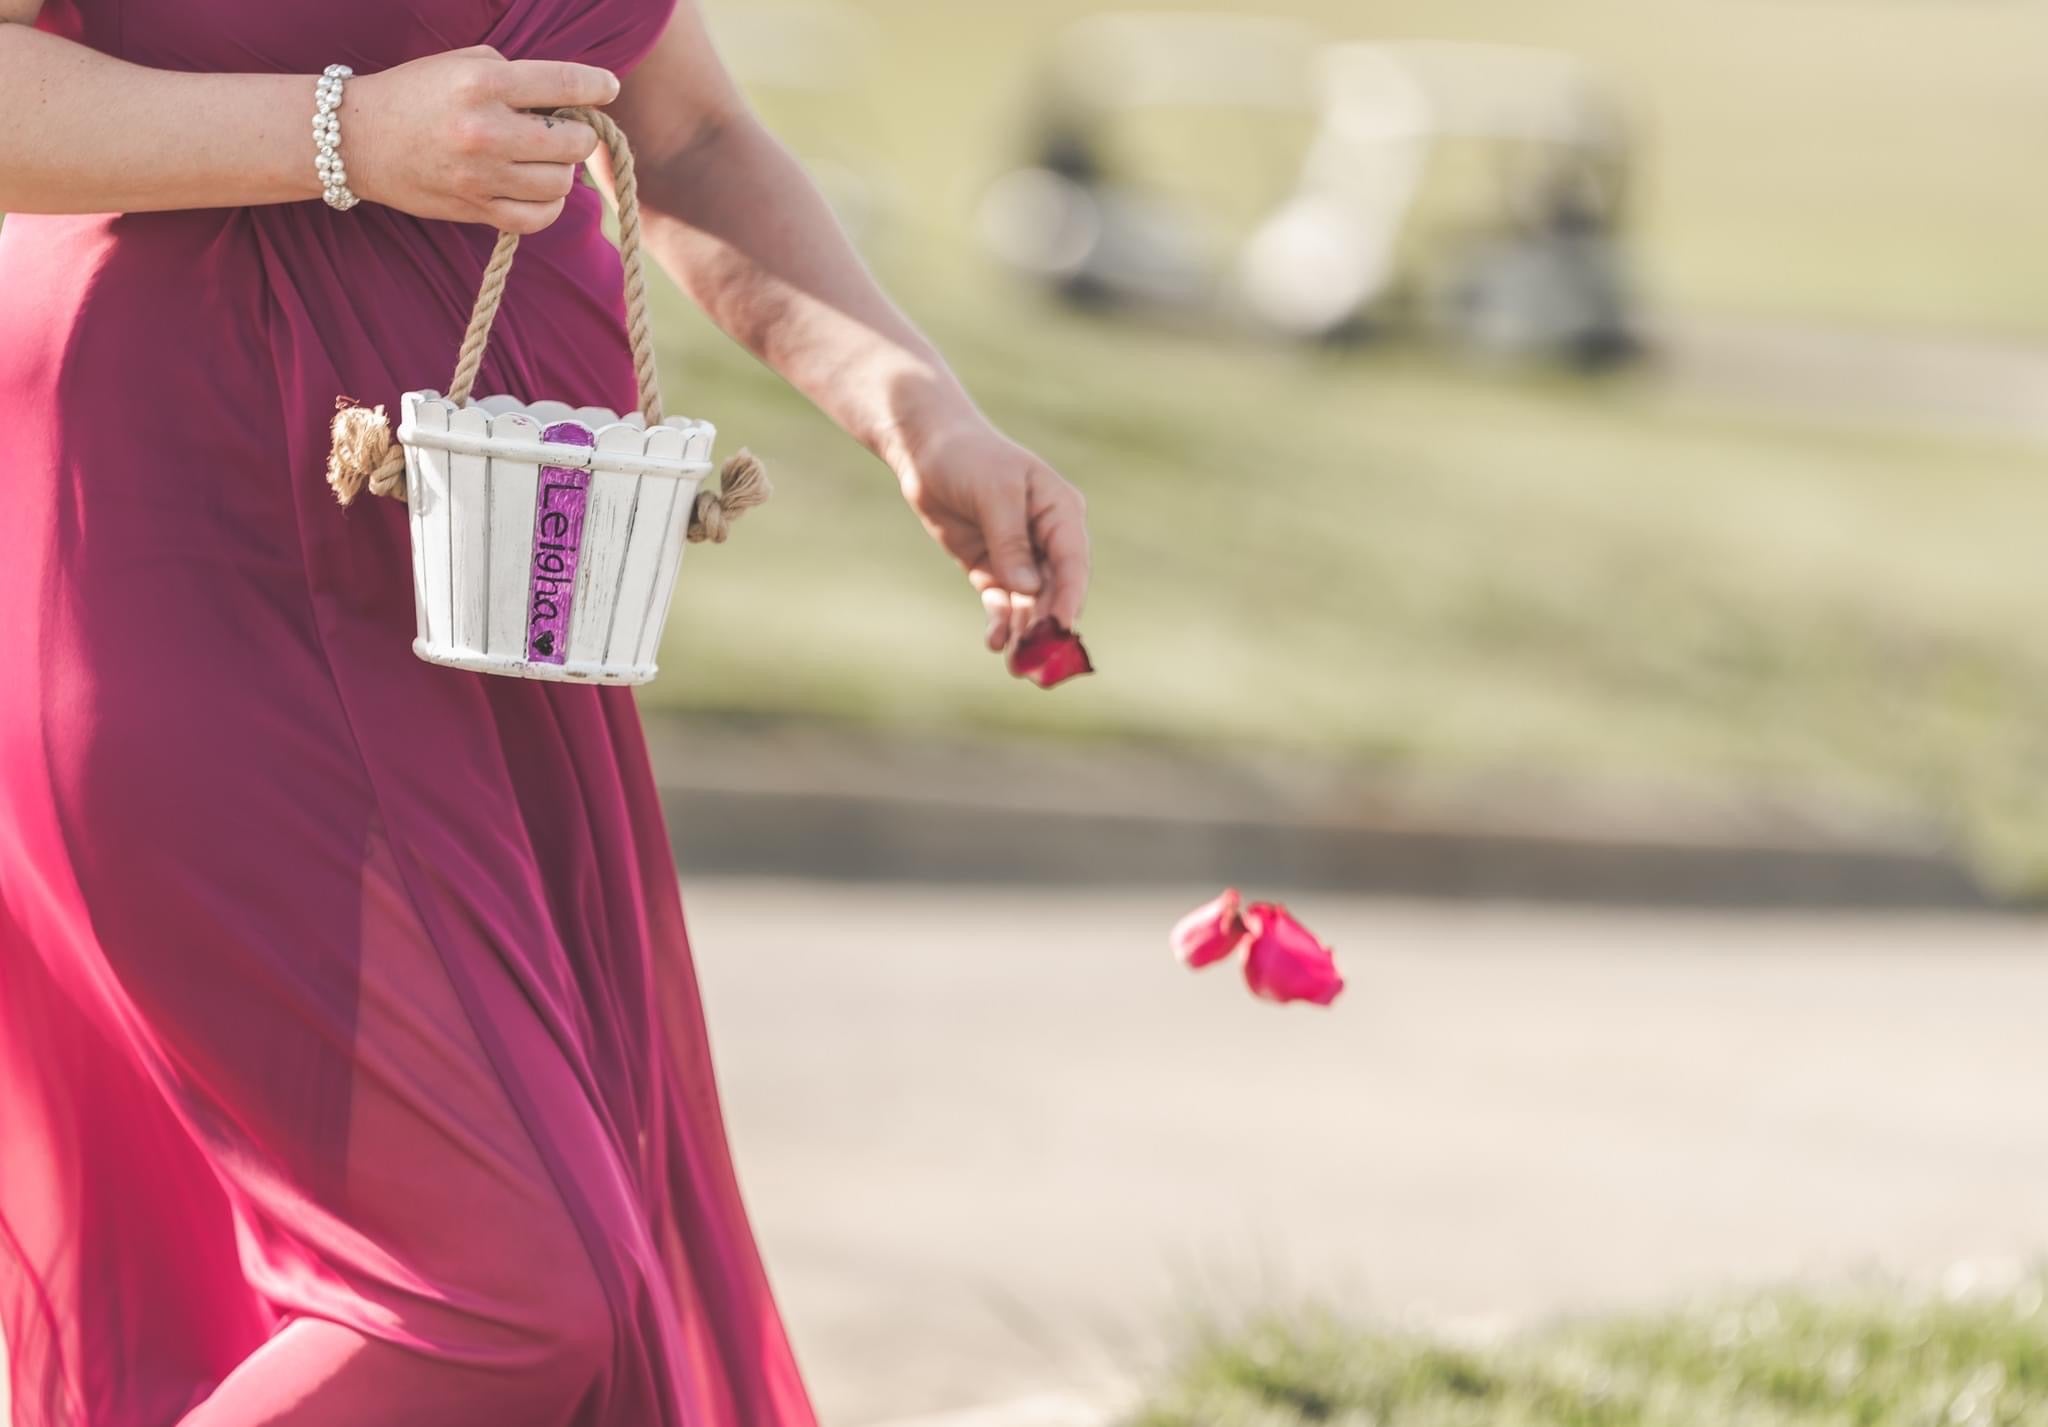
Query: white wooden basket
[[546, 538]]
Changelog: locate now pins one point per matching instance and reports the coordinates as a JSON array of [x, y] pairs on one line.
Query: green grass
[[1877, 1359], [1399, 565], [1422, 569]]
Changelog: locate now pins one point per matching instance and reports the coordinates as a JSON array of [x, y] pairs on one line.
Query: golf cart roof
[[1142, 60], [1415, 88]]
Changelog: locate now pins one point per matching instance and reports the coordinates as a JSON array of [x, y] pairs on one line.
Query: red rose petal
[[1210, 932], [1049, 654], [1287, 961]]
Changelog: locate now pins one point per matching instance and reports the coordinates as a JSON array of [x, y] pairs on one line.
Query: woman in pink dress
[[351, 1064]]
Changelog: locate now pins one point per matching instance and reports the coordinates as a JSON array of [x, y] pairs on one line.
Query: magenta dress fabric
[[351, 1063]]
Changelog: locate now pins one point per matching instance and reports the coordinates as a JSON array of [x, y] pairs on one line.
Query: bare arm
[[737, 222], [81, 132], [442, 137]]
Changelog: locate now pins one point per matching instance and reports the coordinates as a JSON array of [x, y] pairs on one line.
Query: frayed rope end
[[742, 485], [363, 454]]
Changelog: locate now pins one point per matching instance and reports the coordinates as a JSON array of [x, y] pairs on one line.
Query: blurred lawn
[[1882, 1360], [1378, 557]]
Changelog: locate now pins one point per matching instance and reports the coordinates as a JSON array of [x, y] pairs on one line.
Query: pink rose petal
[[1049, 654], [1287, 962], [1210, 932]]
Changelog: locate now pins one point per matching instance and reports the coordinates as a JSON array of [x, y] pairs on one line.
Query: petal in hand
[[1049, 654]]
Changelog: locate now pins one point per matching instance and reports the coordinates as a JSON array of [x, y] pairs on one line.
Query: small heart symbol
[[544, 642]]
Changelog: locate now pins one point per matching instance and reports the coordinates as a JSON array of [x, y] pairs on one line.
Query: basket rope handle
[[364, 456]]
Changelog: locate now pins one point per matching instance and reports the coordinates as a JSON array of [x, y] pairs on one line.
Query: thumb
[[1006, 531]]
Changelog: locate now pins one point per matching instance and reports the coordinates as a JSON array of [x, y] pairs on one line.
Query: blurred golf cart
[[1236, 167]]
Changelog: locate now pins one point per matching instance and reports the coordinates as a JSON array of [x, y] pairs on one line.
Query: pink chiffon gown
[[351, 1063]]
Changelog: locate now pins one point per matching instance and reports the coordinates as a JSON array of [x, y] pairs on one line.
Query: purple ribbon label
[[562, 498]]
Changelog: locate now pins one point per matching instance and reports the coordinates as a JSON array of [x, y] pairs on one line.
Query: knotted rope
[[365, 456]]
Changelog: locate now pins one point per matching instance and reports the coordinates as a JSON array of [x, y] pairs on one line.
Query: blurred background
[[1568, 480], [1636, 404], [1567, 486]]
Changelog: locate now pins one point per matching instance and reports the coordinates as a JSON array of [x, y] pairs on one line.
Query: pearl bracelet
[[327, 135]]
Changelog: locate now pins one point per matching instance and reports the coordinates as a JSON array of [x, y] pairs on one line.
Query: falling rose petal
[[1287, 961], [1049, 654], [1210, 932]]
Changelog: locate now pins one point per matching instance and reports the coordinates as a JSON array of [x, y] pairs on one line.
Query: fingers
[[995, 604], [512, 215], [1061, 528], [545, 138], [1021, 533], [1035, 558], [1005, 517], [537, 183], [555, 84], [1008, 614]]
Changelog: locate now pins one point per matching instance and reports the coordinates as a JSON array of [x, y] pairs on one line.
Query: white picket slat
[[429, 497], [696, 447], [410, 408], [607, 524], [514, 485], [469, 533], [650, 536]]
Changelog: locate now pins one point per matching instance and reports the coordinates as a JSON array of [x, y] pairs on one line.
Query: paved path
[[996, 1142]]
